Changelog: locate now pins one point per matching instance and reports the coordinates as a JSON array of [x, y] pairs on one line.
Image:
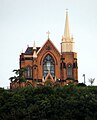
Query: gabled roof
[[45, 44], [29, 50]]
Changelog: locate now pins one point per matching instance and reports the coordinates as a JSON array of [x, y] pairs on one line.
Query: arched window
[[69, 71], [28, 72], [48, 65]]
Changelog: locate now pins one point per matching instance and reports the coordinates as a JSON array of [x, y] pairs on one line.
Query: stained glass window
[[48, 66]]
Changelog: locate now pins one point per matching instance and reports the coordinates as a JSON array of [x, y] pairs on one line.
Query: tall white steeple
[[66, 30], [67, 40]]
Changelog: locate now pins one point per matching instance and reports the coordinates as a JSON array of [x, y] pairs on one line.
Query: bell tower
[[69, 67]]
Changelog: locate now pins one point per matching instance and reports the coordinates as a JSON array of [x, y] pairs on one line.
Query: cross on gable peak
[[48, 33]]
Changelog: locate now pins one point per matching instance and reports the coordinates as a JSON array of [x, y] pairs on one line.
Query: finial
[[34, 47], [27, 45], [66, 11], [48, 33], [62, 37], [22, 50], [72, 36], [34, 51]]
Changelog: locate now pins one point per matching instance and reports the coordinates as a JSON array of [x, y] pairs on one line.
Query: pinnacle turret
[[34, 51]]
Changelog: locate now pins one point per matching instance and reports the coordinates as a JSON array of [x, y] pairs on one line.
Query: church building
[[46, 65]]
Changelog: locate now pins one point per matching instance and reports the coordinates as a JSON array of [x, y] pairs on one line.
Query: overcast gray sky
[[23, 21]]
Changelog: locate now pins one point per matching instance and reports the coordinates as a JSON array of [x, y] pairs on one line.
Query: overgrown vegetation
[[49, 103]]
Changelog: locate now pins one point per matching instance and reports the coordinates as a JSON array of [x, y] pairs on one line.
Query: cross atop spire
[[48, 33], [66, 11]]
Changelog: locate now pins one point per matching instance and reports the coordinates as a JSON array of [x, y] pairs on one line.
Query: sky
[[24, 21]]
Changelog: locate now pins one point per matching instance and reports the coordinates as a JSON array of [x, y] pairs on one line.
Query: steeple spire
[[67, 40], [66, 31]]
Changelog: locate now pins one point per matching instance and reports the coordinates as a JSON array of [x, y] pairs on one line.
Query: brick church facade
[[46, 65]]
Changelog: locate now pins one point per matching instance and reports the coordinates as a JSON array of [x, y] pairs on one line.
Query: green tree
[[49, 103], [91, 80], [19, 75]]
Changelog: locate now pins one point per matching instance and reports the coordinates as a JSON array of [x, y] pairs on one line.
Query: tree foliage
[[69, 102], [91, 80], [19, 75]]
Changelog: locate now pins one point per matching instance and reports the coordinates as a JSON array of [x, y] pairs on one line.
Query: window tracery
[[48, 66]]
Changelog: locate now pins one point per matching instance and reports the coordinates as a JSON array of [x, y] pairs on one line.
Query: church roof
[[29, 50], [48, 40]]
